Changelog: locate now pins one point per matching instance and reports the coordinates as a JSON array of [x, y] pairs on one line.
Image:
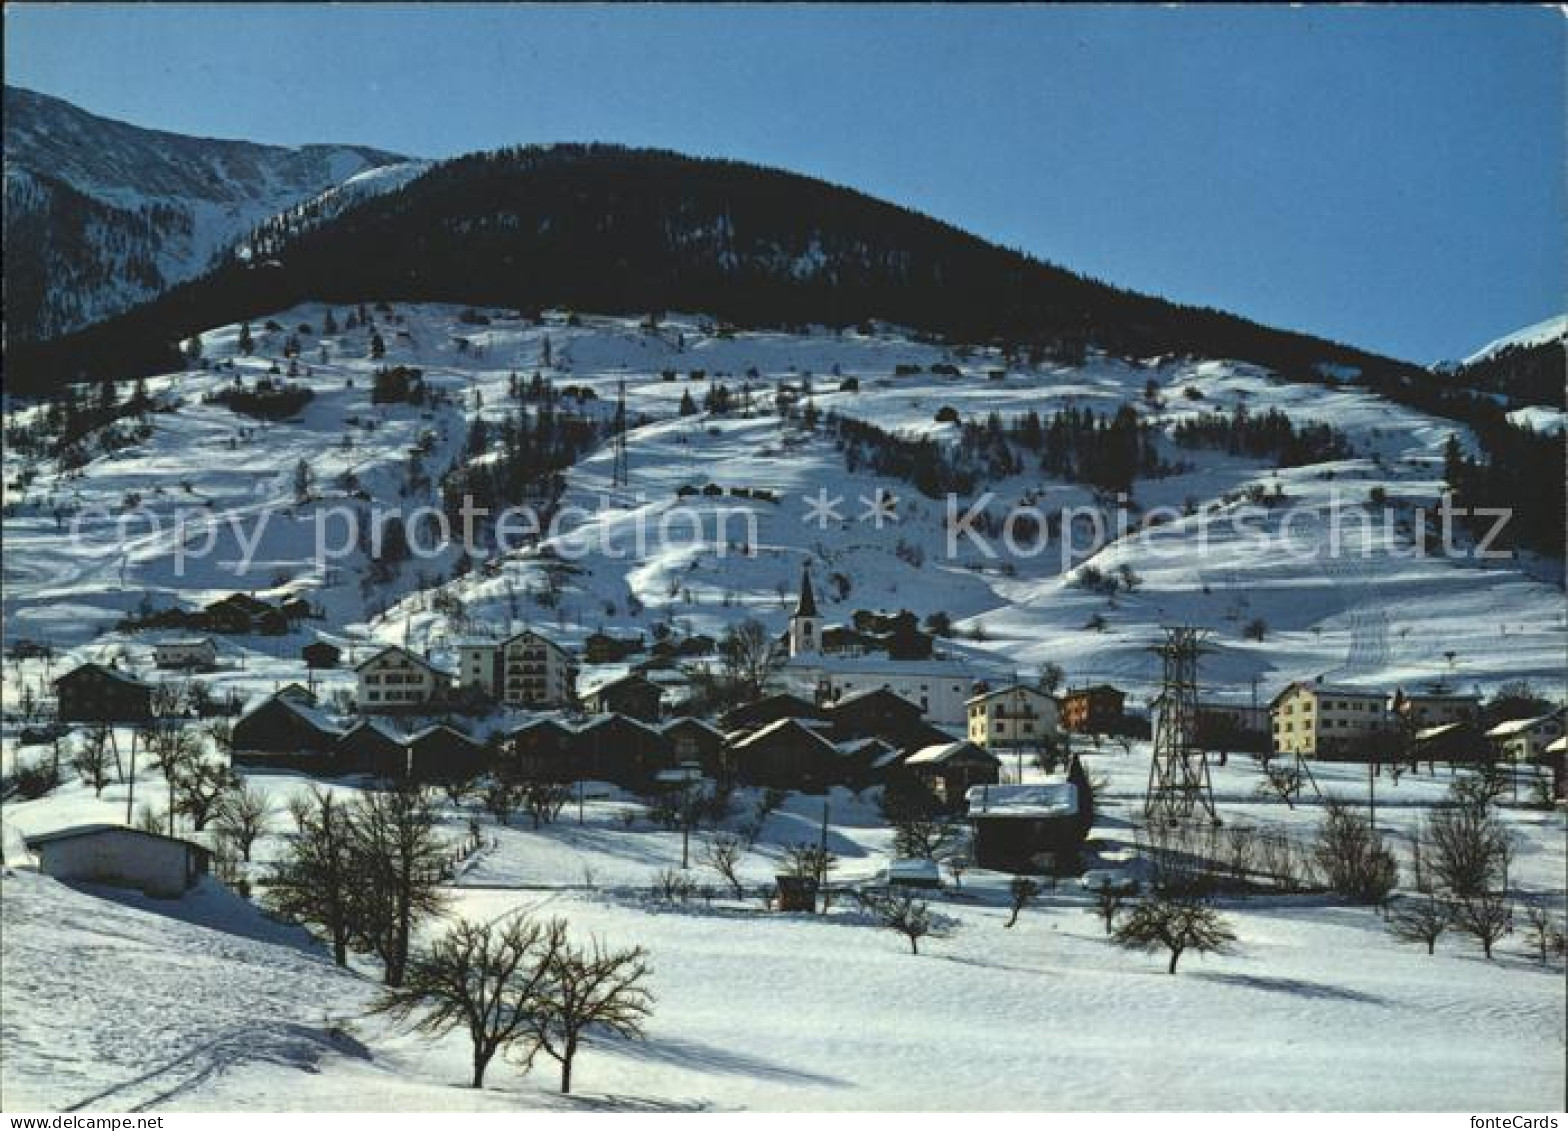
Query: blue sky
[[1391, 178]]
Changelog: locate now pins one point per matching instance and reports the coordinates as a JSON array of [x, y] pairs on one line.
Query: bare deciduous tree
[[1470, 850], [924, 838], [488, 978], [1420, 920], [1176, 925], [544, 800], [1021, 892], [501, 799], [173, 750], [958, 864], [1484, 916], [1543, 934], [723, 854], [750, 655], [1352, 856], [202, 788], [402, 863], [1109, 898], [1282, 781], [93, 759], [903, 914], [315, 882], [243, 816], [807, 861], [590, 990]]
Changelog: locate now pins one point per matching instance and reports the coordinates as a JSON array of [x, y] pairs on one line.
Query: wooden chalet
[[622, 750], [544, 749], [693, 741], [97, 693], [286, 729], [443, 753], [634, 695], [770, 709], [790, 754], [950, 769], [1017, 827], [371, 747]]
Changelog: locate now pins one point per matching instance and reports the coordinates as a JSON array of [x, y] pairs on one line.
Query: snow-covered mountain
[[101, 215], [1554, 329]]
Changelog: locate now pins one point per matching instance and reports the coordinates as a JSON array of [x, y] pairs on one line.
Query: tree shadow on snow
[[1294, 986], [684, 1053]]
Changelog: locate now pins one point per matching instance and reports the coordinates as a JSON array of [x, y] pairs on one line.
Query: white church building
[[940, 687]]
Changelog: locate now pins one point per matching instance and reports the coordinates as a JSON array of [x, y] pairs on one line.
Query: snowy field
[[115, 1002]]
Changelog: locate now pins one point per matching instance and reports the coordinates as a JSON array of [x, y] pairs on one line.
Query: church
[[816, 667]]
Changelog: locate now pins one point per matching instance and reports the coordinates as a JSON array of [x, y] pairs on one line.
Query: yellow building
[[1322, 720]]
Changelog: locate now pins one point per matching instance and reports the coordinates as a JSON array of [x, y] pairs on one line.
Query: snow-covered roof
[[75, 832], [1054, 799], [1519, 726], [105, 669], [419, 660], [1436, 696], [809, 726], [691, 721], [186, 642], [1426, 734], [608, 717], [617, 681], [913, 870], [380, 727], [1342, 690], [304, 710], [439, 728], [869, 692], [1558, 745], [541, 721], [1010, 689], [881, 665], [948, 751]]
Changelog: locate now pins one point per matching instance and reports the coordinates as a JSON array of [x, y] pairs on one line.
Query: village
[[821, 707]]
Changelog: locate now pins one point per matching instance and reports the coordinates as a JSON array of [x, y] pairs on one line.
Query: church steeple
[[805, 625], [807, 605]]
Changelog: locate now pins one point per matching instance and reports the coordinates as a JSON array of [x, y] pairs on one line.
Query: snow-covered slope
[[1549, 330], [101, 215], [116, 1003], [1372, 611]]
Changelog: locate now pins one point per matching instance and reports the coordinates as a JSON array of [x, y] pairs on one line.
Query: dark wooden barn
[[790, 754], [634, 696], [622, 750], [950, 769], [286, 729], [1017, 826], [770, 709], [693, 741], [544, 749], [94, 693], [370, 747], [880, 713], [442, 753]]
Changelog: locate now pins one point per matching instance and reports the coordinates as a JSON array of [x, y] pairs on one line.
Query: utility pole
[[822, 858], [130, 794]]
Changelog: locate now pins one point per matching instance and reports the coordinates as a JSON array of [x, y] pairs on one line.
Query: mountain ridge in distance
[[102, 215]]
